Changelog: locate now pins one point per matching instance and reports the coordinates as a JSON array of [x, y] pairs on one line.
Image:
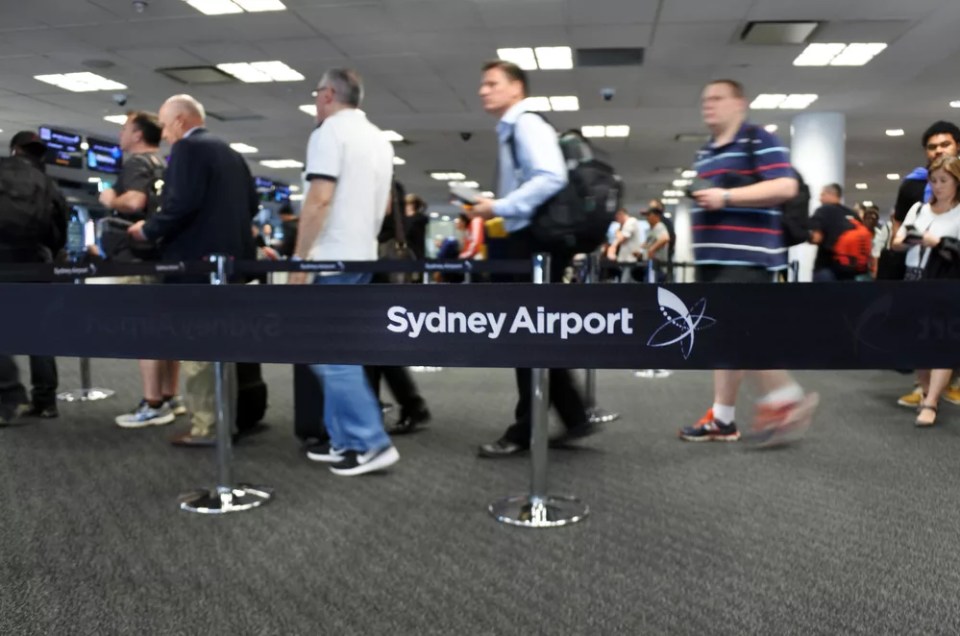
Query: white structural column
[[683, 250], [818, 152]]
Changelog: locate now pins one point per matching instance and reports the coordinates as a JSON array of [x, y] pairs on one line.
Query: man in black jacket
[[33, 228], [207, 206]]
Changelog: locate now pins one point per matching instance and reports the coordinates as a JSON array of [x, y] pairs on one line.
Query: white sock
[[723, 413], [789, 393]]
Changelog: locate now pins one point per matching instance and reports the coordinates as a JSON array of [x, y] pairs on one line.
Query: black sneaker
[[357, 463], [410, 421], [32, 410], [325, 453]]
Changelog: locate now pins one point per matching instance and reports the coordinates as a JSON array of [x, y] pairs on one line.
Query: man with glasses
[[350, 172]]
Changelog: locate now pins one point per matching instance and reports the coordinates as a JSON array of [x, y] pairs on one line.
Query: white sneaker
[[145, 415], [355, 463], [325, 453]]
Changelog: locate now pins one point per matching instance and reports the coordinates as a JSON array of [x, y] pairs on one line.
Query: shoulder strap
[[399, 234], [511, 141]]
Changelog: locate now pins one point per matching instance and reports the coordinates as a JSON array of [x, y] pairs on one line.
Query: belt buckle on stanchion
[[226, 497], [85, 393], [595, 414], [538, 509]]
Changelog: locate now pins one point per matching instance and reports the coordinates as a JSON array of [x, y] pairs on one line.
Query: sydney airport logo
[[682, 322]]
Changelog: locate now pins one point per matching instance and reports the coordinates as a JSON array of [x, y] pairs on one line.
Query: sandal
[[923, 424]]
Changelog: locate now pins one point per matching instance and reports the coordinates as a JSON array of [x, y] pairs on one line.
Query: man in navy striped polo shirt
[[738, 238]]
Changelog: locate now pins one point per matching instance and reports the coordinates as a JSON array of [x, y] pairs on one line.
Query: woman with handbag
[[923, 231]]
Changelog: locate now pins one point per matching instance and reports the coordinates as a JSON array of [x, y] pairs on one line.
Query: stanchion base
[[216, 502], [85, 395], [653, 374], [426, 369], [539, 512], [598, 415]]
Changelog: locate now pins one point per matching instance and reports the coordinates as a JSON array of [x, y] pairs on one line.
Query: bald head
[[178, 115]]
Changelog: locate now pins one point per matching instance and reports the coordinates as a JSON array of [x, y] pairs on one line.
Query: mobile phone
[[467, 195]]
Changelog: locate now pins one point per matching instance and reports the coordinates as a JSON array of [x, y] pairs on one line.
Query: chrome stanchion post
[[596, 414], [538, 509], [226, 497], [423, 369], [85, 393], [652, 373]]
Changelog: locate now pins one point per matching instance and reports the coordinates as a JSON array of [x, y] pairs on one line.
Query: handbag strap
[[399, 234]]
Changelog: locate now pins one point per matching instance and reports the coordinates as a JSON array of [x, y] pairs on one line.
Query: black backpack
[[32, 212], [795, 212], [576, 218]]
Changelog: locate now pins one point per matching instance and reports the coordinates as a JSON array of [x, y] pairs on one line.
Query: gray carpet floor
[[856, 530]]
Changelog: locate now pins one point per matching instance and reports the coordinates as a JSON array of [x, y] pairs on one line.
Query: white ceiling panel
[[627, 35], [510, 13], [349, 19], [700, 11], [618, 12]]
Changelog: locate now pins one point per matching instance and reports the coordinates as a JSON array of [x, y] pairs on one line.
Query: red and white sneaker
[[782, 423], [710, 430]]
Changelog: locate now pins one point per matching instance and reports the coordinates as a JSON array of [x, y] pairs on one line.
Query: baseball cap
[[29, 140]]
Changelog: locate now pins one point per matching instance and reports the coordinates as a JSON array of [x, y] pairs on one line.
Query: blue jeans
[[350, 411]]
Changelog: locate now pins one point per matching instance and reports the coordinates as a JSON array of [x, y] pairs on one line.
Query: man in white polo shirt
[[350, 172]]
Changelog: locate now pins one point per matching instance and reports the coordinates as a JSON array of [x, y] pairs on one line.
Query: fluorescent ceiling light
[[839, 54], [223, 7], [671, 201], [767, 101], [523, 57], [259, 72], [310, 109], [861, 186], [537, 104], [618, 131], [552, 58], [673, 193], [244, 148], [256, 6], [893, 176], [448, 176], [294, 188], [593, 131], [465, 184], [391, 135], [682, 183], [81, 82], [116, 119], [955, 104], [398, 161], [296, 197], [895, 132], [819, 54], [280, 164], [93, 179], [565, 102], [868, 204], [858, 54], [688, 174], [215, 7], [798, 101], [771, 128]]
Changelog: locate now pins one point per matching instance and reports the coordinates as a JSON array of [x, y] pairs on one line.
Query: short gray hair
[[347, 85], [188, 105]]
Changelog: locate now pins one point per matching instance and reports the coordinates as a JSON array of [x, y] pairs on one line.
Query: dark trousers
[[401, 384], [564, 395], [43, 378]]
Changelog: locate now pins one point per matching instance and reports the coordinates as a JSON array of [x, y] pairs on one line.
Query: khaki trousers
[[201, 396]]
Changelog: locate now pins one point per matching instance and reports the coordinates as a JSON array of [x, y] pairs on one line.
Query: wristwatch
[[726, 198]]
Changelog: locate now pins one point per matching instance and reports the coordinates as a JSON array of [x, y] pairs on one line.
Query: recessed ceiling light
[[244, 148], [554, 57], [861, 186], [838, 54], [895, 132], [259, 72], [537, 104], [955, 104], [116, 119], [448, 176], [310, 109], [296, 197], [391, 135], [84, 146], [868, 204], [593, 131], [565, 102], [280, 164], [522, 57], [93, 179], [81, 82], [397, 161], [767, 101], [224, 7], [294, 188], [618, 131], [819, 54], [798, 101], [688, 174], [673, 193], [682, 183], [669, 201], [858, 54], [893, 176], [771, 128]]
